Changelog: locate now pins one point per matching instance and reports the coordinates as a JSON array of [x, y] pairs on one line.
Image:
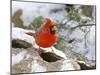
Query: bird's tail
[[31, 34]]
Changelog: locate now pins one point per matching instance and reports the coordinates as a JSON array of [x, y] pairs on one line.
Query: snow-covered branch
[[82, 26]]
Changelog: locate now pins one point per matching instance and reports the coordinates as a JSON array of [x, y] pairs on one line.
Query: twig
[[82, 26]]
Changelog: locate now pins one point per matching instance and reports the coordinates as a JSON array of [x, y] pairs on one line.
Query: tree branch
[[82, 26]]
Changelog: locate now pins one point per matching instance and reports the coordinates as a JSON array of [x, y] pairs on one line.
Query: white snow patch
[[91, 44], [72, 23], [37, 68], [59, 53], [27, 56], [17, 58], [67, 65], [78, 34], [19, 33]]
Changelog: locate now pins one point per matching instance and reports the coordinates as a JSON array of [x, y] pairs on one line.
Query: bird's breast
[[46, 40]]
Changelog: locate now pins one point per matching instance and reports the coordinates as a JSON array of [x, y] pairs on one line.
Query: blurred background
[[76, 26]]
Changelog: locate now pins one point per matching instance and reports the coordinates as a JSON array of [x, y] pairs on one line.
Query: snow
[[37, 68], [17, 58], [32, 10], [72, 23], [79, 43], [77, 34], [90, 40], [67, 65], [19, 33], [91, 44], [59, 53]]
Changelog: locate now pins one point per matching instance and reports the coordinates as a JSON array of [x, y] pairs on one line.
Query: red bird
[[46, 36]]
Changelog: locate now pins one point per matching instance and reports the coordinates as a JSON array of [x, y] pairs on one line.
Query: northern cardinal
[[46, 35]]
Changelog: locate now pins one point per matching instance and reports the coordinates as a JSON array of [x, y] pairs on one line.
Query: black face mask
[[53, 29]]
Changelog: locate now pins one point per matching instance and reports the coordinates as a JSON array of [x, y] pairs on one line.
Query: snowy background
[[78, 43]]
